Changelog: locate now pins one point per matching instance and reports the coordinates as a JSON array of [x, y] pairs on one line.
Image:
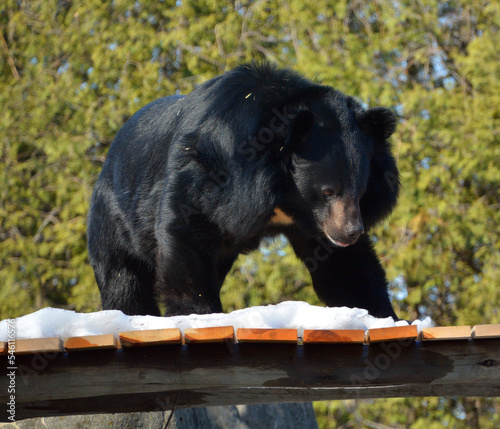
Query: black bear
[[192, 181]]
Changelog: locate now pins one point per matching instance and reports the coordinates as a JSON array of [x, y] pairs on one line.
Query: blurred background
[[72, 73]]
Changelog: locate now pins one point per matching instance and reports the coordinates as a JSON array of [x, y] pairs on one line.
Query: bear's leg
[[126, 284], [187, 275], [189, 287], [350, 276]]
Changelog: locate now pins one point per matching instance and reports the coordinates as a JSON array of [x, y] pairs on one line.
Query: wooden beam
[[209, 335], [486, 331], [330, 336], [151, 337], [246, 335], [91, 342], [442, 333], [391, 334], [38, 345], [164, 377]]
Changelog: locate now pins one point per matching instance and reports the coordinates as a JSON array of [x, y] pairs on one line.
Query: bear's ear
[[379, 122], [298, 131]]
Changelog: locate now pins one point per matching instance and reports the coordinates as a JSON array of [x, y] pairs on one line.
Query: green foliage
[[72, 72], [426, 413], [270, 276]]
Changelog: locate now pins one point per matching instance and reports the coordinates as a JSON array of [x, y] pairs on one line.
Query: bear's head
[[344, 178]]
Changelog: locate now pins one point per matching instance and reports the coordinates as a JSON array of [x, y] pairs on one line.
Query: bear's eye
[[328, 193]]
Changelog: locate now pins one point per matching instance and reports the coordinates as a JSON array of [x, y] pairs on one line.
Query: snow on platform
[[54, 322]]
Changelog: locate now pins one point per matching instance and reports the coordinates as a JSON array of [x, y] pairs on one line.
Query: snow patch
[[54, 322]]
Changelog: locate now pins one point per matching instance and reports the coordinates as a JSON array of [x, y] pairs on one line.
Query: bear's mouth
[[337, 243]]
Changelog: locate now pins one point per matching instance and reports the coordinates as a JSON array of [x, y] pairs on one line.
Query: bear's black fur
[[191, 182]]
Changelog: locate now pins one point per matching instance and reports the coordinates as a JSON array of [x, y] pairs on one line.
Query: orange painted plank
[[91, 342], [38, 345], [246, 335], [340, 336], [395, 333], [209, 335], [486, 331], [151, 337], [446, 333], [3, 348]]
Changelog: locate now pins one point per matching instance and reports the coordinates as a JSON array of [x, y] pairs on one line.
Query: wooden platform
[[163, 369]]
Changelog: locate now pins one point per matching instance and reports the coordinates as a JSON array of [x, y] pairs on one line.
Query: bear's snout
[[344, 224], [353, 231]]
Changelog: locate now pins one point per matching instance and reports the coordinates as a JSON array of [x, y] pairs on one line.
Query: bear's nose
[[354, 231]]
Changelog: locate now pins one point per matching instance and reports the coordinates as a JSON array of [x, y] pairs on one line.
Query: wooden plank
[[151, 337], [38, 345], [91, 342], [3, 348], [168, 400], [440, 333], [209, 335], [246, 335], [392, 334], [147, 378], [486, 331], [334, 336]]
